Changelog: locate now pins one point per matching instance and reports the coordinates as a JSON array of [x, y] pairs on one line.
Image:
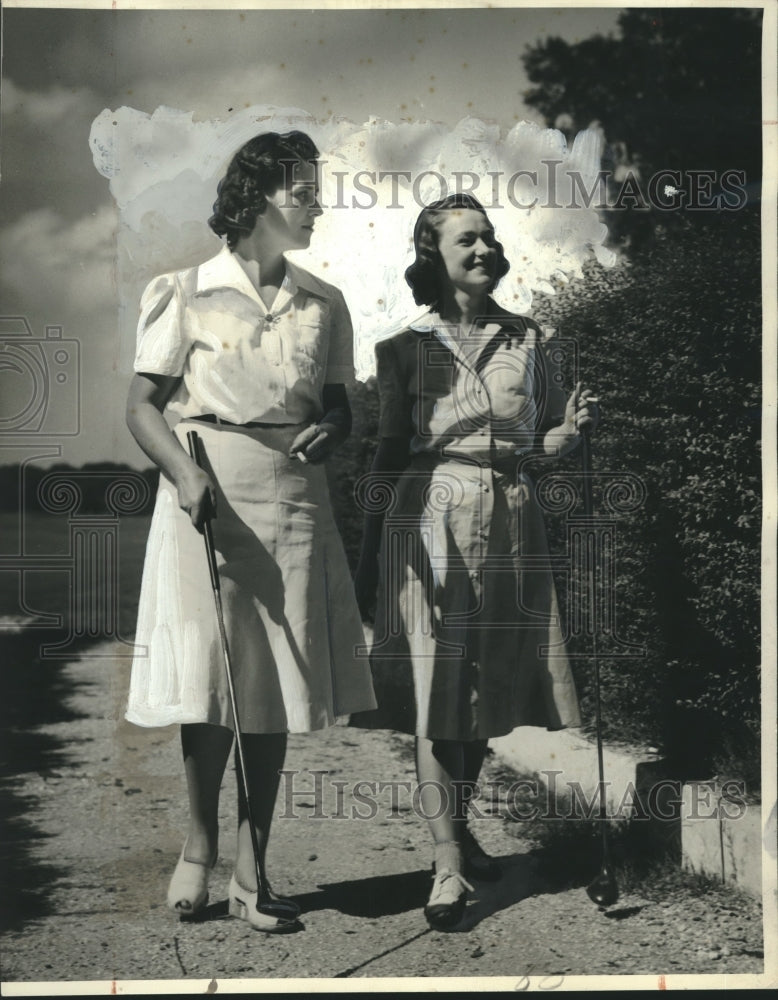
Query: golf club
[[267, 902], [603, 890]]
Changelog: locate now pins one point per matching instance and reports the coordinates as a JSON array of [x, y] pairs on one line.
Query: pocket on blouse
[[310, 350], [311, 339]]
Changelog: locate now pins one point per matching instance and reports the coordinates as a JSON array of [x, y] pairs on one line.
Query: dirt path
[[96, 835]]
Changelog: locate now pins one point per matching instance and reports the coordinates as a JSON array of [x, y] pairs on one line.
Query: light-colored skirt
[[468, 641], [291, 618]]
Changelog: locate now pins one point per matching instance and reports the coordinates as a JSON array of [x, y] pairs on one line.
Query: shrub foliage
[[672, 344]]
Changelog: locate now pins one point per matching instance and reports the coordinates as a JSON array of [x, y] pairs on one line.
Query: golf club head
[[280, 909], [603, 890]]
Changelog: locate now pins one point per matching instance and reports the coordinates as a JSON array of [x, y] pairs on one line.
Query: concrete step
[[721, 835], [706, 826], [567, 762]]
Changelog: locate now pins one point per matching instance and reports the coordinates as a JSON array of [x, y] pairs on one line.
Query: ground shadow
[[385, 895], [520, 880], [24, 880], [34, 692], [375, 896]]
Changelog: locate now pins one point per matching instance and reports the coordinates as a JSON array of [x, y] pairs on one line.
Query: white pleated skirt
[[294, 633]]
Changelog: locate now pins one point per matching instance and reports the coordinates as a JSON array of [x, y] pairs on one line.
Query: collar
[[431, 322], [298, 278], [224, 271], [427, 323]]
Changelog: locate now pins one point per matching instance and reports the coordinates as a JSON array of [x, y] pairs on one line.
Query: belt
[[509, 464], [211, 418], [502, 464]]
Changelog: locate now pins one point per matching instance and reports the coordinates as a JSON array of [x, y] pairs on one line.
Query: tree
[[681, 88], [673, 340]]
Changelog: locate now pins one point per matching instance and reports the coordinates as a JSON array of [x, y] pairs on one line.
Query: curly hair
[[428, 272], [258, 169]]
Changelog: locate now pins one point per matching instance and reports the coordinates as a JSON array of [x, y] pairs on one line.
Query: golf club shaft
[[586, 464], [194, 451]]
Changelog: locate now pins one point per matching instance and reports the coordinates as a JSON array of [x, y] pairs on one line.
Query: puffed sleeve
[[395, 419], [162, 345], [550, 392], [340, 352]]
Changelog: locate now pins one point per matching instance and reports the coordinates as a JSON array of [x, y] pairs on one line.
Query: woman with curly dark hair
[[467, 642], [252, 352]]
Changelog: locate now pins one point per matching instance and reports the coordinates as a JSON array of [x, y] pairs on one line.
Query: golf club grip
[[193, 440]]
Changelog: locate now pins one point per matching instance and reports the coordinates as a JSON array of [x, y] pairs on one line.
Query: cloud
[[363, 61], [62, 68], [45, 151], [44, 107], [208, 89], [64, 267], [163, 169], [62, 272]]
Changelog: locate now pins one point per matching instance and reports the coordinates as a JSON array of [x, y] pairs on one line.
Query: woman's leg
[[454, 768], [478, 864], [474, 753], [206, 749], [440, 770], [265, 754]]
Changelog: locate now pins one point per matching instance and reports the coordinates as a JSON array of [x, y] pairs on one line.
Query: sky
[[62, 234]]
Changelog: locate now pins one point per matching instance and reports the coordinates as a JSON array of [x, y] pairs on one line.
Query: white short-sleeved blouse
[[237, 359]]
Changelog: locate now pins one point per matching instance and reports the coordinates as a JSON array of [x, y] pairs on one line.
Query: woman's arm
[[317, 442], [581, 413], [391, 458], [560, 421], [146, 401], [395, 431]]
